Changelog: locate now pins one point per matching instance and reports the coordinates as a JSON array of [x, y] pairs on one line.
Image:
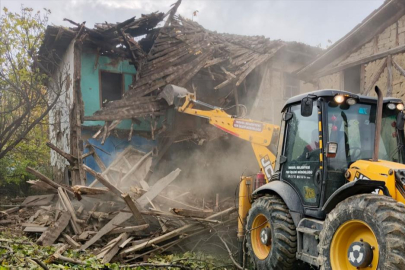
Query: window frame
[[101, 86]]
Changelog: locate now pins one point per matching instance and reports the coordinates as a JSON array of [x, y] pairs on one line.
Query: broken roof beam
[[72, 160], [129, 102], [47, 180], [122, 116]]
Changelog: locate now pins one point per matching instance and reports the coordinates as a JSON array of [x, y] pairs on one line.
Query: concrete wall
[[59, 116]]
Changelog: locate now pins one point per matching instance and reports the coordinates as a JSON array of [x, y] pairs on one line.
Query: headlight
[[400, 107], [351, 101], [339, 98], [391, 106]]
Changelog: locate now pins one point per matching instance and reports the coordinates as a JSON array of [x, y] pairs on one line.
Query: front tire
[[373, 221], [270, 215]]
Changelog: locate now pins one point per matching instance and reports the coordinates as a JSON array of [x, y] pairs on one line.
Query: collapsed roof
[[174, 53]]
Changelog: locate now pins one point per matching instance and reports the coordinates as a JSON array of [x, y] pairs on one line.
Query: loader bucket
[[171, 93]]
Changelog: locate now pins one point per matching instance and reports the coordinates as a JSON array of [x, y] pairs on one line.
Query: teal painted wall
[[90, 84]]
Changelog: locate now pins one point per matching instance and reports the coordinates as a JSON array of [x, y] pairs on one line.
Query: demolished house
[[132, 177], [371, 54], [117, 71]]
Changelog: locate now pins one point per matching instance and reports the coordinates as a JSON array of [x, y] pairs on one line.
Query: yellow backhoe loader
[[331, 188]]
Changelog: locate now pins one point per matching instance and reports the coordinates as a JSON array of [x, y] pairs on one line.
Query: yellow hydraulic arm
[[261, 135]]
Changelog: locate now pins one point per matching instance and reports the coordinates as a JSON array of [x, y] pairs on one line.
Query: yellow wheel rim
[[349, 232], [261, 250]]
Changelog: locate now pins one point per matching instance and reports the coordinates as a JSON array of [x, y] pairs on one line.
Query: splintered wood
[[120, 225]]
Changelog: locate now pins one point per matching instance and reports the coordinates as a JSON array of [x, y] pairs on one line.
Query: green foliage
[[193, 261], [23, 96], [32, 151], [24, 250]]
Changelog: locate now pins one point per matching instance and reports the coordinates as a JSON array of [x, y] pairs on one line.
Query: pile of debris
[[123, 220]]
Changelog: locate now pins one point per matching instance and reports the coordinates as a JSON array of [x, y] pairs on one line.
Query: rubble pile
[[120, 217]]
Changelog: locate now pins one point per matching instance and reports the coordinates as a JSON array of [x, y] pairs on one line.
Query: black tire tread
[[388, 213], [285, 235]]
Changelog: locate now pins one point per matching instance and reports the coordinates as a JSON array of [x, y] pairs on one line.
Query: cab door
[[302, 154]]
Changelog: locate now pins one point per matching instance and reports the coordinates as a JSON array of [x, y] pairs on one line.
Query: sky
[[314, 22]]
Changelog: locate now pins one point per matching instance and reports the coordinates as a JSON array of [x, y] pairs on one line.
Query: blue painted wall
[[90, 87], [113, 146], [90, 84]]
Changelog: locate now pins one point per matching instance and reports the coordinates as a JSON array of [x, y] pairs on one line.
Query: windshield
[[353, 128]]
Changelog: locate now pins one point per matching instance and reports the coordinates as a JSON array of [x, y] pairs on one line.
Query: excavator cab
[[325, 132], [339, 161], [334, 195]]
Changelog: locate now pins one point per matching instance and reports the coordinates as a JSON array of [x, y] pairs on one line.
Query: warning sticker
[[248, 125], [299, 172], [309, 193]]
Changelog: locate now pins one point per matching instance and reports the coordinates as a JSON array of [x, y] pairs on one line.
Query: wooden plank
[[27, 224], [173, 233], [135, 167], [68, 206], [128, 114], [12, 210], [5, 222], [376, 77], [87, 154], [116, 221], [389, 78], [37, 229], [47, 180], [399, 68], [50, 236], [96, 157], [182, 218], [126, 242], [362, 77], [161, 221], [361, 61], [117, 159], [158, 187], [58, 252], [129, 229], [38, 200], [84, 190], [70, 241], [124, 216], [192, 213], [72, 160], [114, 250], [102, 180], [137, 215]]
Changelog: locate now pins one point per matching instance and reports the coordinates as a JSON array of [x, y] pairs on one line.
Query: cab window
[[302, 151]]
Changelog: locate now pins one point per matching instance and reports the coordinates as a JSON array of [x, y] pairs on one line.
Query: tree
[[29, 89]]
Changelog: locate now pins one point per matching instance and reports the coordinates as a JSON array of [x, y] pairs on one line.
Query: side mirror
[[307, 106], [331, 149], [400, 120]]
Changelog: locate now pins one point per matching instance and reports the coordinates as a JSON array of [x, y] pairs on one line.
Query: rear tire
[[360, 217], [282, 252]]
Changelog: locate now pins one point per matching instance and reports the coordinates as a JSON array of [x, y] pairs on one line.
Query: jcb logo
[[266, 164]]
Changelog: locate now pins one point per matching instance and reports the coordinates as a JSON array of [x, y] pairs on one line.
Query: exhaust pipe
[[378, 119]]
